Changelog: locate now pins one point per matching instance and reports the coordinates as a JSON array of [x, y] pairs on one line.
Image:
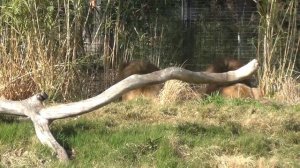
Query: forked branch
[[40, 115]]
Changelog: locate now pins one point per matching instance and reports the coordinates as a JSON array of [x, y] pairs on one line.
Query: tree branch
[[137, 81], [40, 115]]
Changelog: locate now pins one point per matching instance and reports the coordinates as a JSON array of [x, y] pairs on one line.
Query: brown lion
[[245, 88], [139, 67]]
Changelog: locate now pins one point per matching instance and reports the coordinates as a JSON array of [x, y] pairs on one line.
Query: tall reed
[[42, 45], [278, 45], [36, 53]]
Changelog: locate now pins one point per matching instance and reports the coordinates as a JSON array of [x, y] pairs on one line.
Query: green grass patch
[[14, 132], [196, 133]]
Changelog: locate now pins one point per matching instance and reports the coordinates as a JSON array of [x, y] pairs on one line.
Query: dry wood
[[42, 116]]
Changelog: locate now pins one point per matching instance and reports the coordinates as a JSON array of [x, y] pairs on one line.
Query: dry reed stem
[[290, 92], [279, 45]]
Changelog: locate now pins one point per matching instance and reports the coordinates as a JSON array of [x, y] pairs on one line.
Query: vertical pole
[[189, 33]]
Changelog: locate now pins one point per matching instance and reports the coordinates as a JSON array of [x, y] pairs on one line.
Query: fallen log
[[42, 116]]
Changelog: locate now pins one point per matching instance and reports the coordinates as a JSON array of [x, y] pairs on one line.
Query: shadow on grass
[[65, 133]]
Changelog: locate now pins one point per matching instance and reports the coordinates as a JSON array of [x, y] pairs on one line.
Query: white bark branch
[[137, 81], [42, 130], [40, 115]]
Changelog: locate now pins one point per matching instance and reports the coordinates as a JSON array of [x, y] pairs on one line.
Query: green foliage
[[14, 132], [215, 98]]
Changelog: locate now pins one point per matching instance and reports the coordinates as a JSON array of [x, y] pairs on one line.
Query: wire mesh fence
[[190, 31]]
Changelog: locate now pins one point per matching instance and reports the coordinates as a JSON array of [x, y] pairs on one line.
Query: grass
[[212, 132]]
